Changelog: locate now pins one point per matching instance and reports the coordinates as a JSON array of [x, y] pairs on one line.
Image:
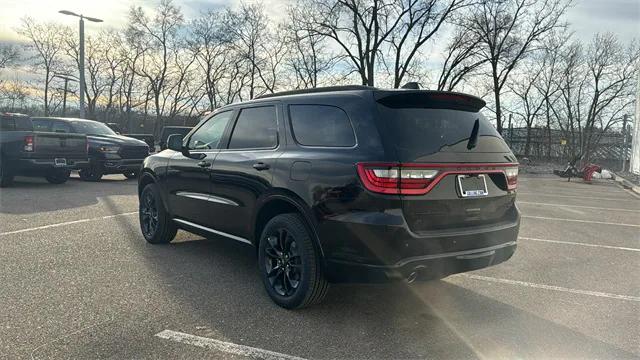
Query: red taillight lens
[[512, 177], [28, 143], [394, 179]]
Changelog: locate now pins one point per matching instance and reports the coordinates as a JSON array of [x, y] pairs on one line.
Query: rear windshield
[[416, 132]]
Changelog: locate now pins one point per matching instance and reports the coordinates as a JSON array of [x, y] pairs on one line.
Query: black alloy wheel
[[155, 223], [148, 214], [283, 264], [290, 263]]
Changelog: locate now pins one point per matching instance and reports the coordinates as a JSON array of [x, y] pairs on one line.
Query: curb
[[627, 184]]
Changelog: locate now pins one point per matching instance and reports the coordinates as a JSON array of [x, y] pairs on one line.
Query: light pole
[[81, 65], [66, 79]]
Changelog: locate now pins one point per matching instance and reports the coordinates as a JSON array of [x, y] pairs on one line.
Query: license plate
[[60, 162], [472, 185]]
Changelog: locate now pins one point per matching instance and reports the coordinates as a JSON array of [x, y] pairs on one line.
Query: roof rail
[[318, 90]]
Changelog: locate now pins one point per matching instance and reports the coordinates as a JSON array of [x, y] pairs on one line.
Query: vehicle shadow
[[30, 195], [216, 283]]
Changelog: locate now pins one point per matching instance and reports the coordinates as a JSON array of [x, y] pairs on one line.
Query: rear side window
[[321, 125], [61, 127], [41, 125], [256, 128]]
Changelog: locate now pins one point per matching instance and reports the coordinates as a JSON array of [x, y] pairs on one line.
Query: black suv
[[109, 153], [341, 184]]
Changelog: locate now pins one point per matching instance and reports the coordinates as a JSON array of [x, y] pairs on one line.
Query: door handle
[[204, 164], [261, 166]]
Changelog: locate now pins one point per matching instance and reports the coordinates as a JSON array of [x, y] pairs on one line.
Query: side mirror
[[174, 142]]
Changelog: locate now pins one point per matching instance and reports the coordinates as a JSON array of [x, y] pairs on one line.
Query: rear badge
[[472, 185]]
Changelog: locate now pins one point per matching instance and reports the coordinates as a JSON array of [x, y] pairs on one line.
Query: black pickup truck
[[109, 153], [147, 138], [26, 152]]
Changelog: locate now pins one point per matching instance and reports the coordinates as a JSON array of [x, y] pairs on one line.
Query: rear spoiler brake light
[[430, 100]]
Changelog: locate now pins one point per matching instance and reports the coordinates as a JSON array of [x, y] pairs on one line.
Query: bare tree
[[462, 58], [531, 100], [159, 33], [210, 49], [508, 31], [256, 46], [597, 86], [46, 44], [14, 94], [8, 55]]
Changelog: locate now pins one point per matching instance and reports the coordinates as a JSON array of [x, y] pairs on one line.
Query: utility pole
[[66, 79], [81, 54], [624, 141]]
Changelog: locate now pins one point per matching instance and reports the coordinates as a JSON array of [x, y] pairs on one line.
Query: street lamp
[[81, 66]]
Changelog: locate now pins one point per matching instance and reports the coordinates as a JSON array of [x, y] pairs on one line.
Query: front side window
[[321, 125], [208, 136], [256, 128], [91, 128]]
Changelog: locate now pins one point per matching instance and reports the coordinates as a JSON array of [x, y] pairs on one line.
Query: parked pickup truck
[[26, 152], [148, 138], [109, 153]]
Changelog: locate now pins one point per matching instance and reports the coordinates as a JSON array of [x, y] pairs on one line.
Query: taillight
[[394, 179], [419, 179], [512, 177], [28, 143]]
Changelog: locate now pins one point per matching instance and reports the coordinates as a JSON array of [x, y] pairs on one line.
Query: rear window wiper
[[473, 138]]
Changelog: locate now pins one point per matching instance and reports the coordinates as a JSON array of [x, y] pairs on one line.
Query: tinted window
[[7, 123], [417, 132], [256, 128], [91, 128], [61, 127], [209, 134], [321, 125], [41, 125]]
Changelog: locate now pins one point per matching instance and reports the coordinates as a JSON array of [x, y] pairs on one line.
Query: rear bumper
[[380, 247], [427, 267], [42, 166]]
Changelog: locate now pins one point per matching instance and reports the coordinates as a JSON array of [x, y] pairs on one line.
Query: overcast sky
[[587, 17]]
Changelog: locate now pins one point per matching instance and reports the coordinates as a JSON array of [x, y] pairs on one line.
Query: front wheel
[[290, 263], [58, 176], [93, 173], [155, 223], [130, 174]]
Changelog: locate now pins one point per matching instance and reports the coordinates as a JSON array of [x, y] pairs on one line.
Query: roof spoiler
[[430, 100]]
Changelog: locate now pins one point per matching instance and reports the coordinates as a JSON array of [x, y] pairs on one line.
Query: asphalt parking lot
[[79, 281]]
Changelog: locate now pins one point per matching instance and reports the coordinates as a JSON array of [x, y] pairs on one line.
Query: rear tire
[[6, 178], [155, 223], [93, 173], [290, 263], [58, 176]]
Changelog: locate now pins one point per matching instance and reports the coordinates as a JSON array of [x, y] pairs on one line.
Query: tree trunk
[[496, 93]]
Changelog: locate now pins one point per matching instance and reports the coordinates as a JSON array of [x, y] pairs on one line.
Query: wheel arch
[[281, 202], [148, 177]]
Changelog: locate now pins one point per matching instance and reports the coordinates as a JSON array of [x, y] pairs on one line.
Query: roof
[[318, 90]]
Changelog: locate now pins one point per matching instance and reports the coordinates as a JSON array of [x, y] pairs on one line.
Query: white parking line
[[551, 287], [579, 244], [223, 346], [66, 223], [573, 196], [577, 206], [580, 221]]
